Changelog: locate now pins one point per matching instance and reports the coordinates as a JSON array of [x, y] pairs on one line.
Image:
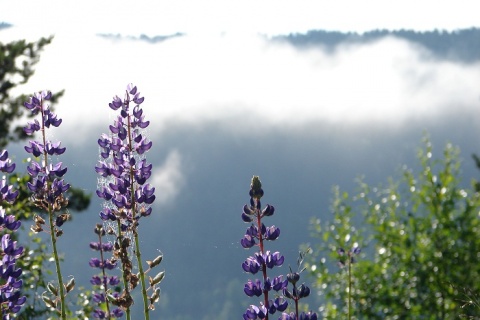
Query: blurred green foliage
[[420, 240]]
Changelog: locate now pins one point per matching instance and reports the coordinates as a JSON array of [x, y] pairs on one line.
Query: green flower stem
[[142, 277], [260, 244], [124, 274], [349, 288], [105, 287], [53, 238], [53, 235], [296, 306], [138, 254]]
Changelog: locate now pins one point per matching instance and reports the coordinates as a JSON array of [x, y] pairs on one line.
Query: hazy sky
[[268, 17], [222, 71]]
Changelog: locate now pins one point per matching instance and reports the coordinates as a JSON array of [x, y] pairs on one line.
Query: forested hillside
[[461, 45]]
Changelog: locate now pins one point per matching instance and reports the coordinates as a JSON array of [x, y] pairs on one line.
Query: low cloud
[[168, 179], [225, 78]]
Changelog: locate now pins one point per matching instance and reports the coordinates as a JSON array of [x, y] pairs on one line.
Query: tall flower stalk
[[11, 300], [347, 259], [104, 282], [48, 188], [297, 293], [256, 235], [124, 173]]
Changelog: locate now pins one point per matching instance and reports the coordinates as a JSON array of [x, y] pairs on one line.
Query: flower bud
[[246, 218], [155, 296], [38, 219], [247, 210], [61, 219], [99, 229], [70, 285], [52, 289], [155, 262], [58, 232], [303, 291], [49, 302], [268, 211], [36, 228], [293, 277], [256, 188], [157, 279]]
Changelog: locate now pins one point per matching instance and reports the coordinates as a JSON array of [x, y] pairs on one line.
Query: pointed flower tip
[[256, 183], [256, 188]]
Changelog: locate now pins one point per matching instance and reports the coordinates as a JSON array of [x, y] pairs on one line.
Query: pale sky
[[209, 16], [222, 70]]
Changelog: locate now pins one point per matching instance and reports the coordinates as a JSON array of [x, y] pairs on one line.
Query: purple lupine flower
[[107, 214], [288, 316], [32, 127], [251, 265], [6, 165], [51, 192], [118, 313], [256, 235], [272, 233], [273, 260], [253, 288], [9, 221], [123, 155], [47, 185], [8, 194], [99, 314], [35, 148], [254, 312], [123, 185], [278, 283], [11, 299], [247, 241], [35, 102], [280, 304]]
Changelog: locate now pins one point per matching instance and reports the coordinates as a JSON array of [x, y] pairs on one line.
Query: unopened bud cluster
[[297, 292]]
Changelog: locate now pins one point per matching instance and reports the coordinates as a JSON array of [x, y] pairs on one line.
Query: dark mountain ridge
[[460, 45]]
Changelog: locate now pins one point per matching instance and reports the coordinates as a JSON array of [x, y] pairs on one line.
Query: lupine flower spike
[[11, 299], [124, 172], [47, 187], [256, 235]]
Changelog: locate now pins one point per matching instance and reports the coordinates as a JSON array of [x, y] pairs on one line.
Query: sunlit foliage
[[420, 239]]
